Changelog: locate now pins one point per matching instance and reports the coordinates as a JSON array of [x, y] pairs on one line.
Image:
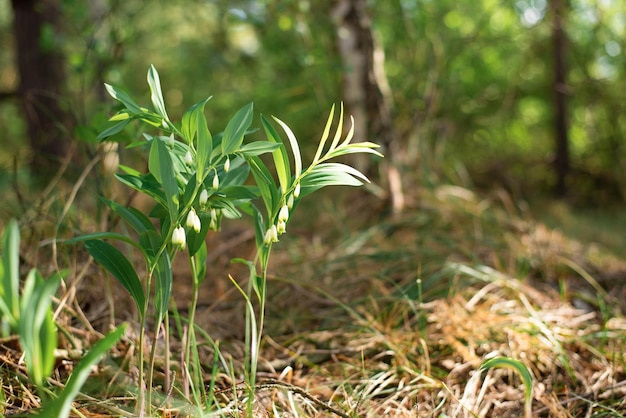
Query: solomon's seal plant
[[196, 179]]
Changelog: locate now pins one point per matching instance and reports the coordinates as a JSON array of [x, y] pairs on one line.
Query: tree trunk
[[366, 91], [42, 78], [561, 155]]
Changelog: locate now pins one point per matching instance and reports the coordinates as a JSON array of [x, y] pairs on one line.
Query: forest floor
[[372, 315]]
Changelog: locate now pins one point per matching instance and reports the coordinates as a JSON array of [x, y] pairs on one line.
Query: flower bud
[[193, 221], [164, 124], [204, 197], [281, 227], [271, 235], [290, 202], [227, 165], [296, 191], [283, 215], [216, 181], [189, 158], [178, 237], [170, 141]]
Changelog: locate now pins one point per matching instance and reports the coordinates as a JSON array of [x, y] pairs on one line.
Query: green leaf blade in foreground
[[156, 94], [9, 294], [236, 129], [114, 261], [36, 327], [162, 168], [61, 406]]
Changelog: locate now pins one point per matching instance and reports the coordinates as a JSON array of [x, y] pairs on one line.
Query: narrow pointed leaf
[[258, 148], [156, 94], [295, 149], [112, 128], [339, 130], [190, 120], [123, 97], [10, 271], [205, 146], [133, 217], [62, 405], [281, 159], [114, 261], [325, 135], [161, 167], [236, 129], [265, 183]]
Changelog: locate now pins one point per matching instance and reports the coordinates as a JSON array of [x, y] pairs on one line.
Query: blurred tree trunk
[[559, 39], [42, 79], [366, 92]]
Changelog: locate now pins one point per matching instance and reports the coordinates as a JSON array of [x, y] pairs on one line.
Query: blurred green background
[[471, 83]]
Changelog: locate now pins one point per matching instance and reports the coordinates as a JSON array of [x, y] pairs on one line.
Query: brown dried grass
[[386, 317]]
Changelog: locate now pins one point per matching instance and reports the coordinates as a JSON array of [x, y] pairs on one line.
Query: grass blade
[[61, 406]]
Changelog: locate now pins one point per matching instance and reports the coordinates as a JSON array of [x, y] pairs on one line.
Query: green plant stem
[[140, 409], [191, 337]]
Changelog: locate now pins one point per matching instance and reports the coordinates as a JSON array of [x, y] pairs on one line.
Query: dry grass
[[377, 317]]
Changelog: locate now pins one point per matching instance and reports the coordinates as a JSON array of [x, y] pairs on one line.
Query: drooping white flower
[[271, 235], [227, 165], [216, 181], [296, 191], [188, 158], [283, 215], [204, 197], [290, 202], [193, 221], [281, 227], [178, 237]]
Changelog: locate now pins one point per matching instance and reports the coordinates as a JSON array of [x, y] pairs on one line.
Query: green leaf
[[516, 365], [258, 148], [101, 236], [133, 217], [36, 326], [281, 159], [123, 97], [236, 129], [201, 261], [196, 239], [190, 120], [295, 149], [331, 174], [205, 146], [320, 147], [9, 293], [144, 183], [112, 128], [361, 147], [62, 405], [156, 94], [265, 183], [114, 261], [161, 167], [151, 242], [339, 130]]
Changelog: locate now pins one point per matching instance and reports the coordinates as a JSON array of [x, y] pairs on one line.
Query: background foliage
[[471, 82]]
